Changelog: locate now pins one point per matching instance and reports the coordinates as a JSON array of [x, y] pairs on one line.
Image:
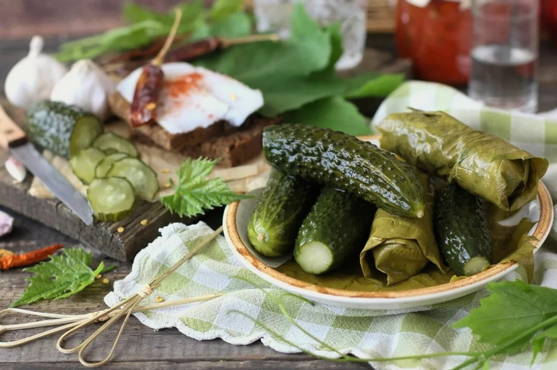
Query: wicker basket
[[380, 16]]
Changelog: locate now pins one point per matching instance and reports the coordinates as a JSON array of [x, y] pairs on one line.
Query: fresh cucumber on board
[[84, 163], [112, 143], [106, 164], [337, 159], [85, 131], [111, 199], [334, 231], [461, 229], [140, 176], [280, 210], [63, 129]]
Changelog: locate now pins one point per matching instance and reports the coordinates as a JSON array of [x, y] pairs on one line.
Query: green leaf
[[297, 71], [335, 113], [335, 36], [146, 26], [306, 51], [118, 39], [539, 340], [223, 8], [234, 25], [377, 87], [510, 310], [195, 193], [192, 12], [63, 275], [288, 93]]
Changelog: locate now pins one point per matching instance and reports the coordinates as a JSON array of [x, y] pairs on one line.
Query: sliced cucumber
[[86, 129], [106, 164], [84, 163], [112, 143], [111, 199], [141, 176]]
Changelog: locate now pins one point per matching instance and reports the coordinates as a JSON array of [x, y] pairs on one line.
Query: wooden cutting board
[[120, 240]]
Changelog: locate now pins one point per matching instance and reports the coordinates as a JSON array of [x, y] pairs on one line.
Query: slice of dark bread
[[235, 147], [232, 145]]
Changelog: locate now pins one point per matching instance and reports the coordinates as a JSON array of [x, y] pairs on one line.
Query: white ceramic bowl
[[235, 221]]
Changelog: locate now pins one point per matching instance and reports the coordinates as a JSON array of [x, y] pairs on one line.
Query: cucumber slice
[[84, 163], [111, 199], [141, 176], [111, 143], [315, 257], [106, 164], [86, 129]]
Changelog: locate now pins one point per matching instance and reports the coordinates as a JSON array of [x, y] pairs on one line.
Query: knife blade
[[15, 140]]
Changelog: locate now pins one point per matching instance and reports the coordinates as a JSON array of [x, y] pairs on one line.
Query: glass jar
[[436, 36], [549, 17]]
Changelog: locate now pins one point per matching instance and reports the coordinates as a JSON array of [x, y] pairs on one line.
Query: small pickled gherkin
[[337, 159], [334, 231], [282, 206], [462, 230]]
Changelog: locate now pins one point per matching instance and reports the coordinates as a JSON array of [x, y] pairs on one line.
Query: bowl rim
[[540, 233]]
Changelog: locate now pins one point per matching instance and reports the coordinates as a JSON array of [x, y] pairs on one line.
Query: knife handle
[[10, 133]]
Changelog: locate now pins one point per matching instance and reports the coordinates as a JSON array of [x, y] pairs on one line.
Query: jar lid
[[464, 4]]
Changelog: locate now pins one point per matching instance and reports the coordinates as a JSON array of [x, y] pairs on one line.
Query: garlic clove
[[32, 78], [86, 86], [16, 169], [6, 223]]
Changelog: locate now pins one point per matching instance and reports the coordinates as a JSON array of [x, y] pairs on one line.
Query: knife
[[14, 139]]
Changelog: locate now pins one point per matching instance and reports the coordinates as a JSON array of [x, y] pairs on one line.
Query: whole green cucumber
[[61, 128], [281, 208], [335, 230], [337, 159], [461, 230]]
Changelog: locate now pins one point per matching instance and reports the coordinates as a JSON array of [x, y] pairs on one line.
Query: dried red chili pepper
[[209, 45], [143, 109], [10, 260], [146, 96], [194, 49]]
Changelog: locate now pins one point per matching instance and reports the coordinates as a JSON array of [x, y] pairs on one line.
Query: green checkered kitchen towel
[[362, 333]]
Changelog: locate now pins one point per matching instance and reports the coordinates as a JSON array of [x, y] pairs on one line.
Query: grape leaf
[[61, 276], [234, 25], [299, 70], [223, 8], [334, 113], [307, 50], [195, 193], [511, 309]]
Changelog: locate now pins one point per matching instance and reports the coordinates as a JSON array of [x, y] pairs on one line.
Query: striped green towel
[[363, 333]]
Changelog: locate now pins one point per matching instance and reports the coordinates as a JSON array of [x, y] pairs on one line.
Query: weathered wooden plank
[[294, 362], [140, 347]]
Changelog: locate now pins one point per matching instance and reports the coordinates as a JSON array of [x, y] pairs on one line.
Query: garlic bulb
[[32, 78], [86, 86]]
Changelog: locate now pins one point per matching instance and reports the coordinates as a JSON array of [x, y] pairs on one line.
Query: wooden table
[[141, 347]]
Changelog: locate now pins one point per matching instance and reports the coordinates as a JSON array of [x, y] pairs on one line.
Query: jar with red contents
[[549, 17], [436, 36]]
